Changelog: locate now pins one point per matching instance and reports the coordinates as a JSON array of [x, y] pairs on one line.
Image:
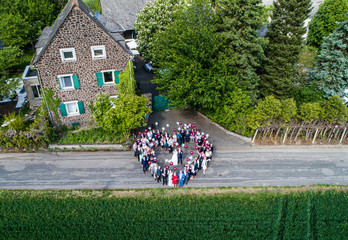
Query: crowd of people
[[187, 141]]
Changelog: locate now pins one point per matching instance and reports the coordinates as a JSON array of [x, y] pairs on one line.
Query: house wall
[[80, 32]]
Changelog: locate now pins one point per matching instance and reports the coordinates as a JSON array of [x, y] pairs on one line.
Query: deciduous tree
[[120, 115], [195, 72], [154, 18]]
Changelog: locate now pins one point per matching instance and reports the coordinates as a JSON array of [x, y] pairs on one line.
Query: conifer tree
[[285, 37], [331, 70], [324, 21], [240, 20]]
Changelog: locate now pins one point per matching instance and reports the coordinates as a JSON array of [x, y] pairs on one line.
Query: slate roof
[[48, 33], [123, 12]]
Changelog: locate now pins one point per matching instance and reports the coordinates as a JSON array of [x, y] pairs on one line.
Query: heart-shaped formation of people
[[190, 148]]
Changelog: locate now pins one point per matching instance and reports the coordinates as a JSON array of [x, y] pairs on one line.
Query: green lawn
[[170, 214]]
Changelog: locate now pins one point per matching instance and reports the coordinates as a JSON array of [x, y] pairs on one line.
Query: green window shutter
[[100, 79], [60, 87], [81, 107], [63, 110], [76, 81], [117, 80]]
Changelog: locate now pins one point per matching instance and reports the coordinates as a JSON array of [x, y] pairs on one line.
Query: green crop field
[[170, 214]]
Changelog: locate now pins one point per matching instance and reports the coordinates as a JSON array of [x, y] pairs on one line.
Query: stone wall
[[80, 32], [34, 102]]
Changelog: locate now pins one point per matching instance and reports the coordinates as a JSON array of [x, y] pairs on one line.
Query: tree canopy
[[331, 67], [154, 18], [9, 56], [285, 37], [194, 72], [324, 22], [240, 20], [22, 21], [120, 115]]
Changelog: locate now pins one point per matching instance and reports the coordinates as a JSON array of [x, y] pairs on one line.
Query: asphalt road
[[245, 166]]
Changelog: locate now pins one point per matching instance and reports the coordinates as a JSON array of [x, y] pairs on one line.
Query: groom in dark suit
[[180, 153]]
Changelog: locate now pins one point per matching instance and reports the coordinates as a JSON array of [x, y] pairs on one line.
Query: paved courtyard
[[219, 138]]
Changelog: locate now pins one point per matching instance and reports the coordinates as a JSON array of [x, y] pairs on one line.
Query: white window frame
[[67, 110], [61, 82], [102, 47], [36, 89], [113, 77], [62, 50]]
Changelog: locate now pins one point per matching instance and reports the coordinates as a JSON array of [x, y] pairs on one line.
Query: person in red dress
[[175, 179]]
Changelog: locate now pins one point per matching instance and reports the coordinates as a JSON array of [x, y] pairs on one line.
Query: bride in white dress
[[170, 179], [175, 157]]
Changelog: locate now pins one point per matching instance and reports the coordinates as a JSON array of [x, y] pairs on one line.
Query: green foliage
[[304, 94], [285, 41], [240, 21], [101, 215], [324, 22], [334, 111], [94, 5], [9, 56], [154, 18], [15, 122], [195, 72], [234, 112], [306, 61], [289, 110], [330, 72], [22, 21], [119, 115], [127, 83], [27, 135], [309, 112], [267, 111], [52, 102], [93, 135]]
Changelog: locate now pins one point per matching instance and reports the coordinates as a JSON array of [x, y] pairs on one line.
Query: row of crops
[[263, 215]]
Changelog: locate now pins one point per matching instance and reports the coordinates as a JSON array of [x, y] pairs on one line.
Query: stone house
[[79, 58]]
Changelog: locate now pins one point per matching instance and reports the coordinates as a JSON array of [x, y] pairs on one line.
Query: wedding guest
[[175, 179], [187, 135], [178, 137], [181, 178], [164, 176], [159, 173], [143, 162], [187, 175], [170, 145], [204, 165]]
